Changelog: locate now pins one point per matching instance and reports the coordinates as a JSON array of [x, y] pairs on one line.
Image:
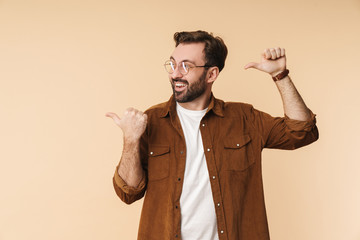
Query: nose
[[176, 74]]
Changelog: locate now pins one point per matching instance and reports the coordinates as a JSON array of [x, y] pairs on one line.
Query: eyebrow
[[186, 60]]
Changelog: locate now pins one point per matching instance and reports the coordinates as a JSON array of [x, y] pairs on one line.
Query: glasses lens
[[185, 68], [169, 66]]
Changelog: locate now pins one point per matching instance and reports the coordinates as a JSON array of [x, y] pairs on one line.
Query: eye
[[169, 66], [186, 66], [172, 65]]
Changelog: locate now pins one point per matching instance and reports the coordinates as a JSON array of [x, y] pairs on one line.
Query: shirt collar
[[216, 106]]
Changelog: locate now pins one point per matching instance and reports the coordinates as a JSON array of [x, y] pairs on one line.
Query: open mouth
[[179, 86]]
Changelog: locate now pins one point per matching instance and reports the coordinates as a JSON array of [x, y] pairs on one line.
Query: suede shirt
[[233, 136]]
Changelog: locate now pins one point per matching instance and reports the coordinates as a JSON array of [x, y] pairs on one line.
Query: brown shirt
[[233, 135]]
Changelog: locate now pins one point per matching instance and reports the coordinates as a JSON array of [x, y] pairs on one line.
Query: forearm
[[273, 61], [294, 105], [130, 169]]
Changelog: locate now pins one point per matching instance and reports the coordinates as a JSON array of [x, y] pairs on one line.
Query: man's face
[[188, 87]]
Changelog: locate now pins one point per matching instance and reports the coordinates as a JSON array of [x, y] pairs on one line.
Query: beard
[[192, 91]]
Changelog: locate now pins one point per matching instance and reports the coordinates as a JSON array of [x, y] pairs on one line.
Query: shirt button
[[181, 152], [151, 153], [237, 145], [221, 231], [214, 177], [179, 179], [203, 124], [208, 149], [176, 235], [218, 204], [176, 207]]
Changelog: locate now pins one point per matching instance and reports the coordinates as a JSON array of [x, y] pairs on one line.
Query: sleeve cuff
[[297, 125], [128, 189]]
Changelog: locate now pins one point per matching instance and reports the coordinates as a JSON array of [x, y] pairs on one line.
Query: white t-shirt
[[198, 218]]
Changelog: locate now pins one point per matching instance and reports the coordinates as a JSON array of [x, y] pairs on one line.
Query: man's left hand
[[273, 61]]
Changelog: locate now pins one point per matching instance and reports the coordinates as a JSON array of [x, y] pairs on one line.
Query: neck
[[199, 103]]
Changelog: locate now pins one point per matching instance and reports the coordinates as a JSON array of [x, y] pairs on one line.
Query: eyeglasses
[[184, 68]]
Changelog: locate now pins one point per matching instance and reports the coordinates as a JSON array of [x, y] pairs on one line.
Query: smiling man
[[198, 158]]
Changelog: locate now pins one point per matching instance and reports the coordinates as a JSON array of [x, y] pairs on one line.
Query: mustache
[[179, 80]]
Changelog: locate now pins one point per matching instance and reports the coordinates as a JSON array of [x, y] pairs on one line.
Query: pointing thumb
[[251, 65], [113, 116]]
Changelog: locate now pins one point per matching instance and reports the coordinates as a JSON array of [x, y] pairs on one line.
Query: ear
[[212, 74]]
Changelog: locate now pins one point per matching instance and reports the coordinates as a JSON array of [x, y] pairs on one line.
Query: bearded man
[[198, 158]]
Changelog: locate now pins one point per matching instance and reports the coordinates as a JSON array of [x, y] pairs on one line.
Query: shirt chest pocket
[[158, 162], [238, 154]]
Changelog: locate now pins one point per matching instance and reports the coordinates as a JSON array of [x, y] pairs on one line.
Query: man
[[198, 158]]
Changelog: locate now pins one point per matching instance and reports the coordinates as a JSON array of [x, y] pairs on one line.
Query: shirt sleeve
[[125, 192], [283, 132]]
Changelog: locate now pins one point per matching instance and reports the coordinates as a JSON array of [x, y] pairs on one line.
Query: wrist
[[280, 75], [130, 140]]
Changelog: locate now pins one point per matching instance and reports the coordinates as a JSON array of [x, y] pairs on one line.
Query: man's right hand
[[132, 123]]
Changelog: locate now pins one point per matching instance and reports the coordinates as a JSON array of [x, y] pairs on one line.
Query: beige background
[[63, 64]]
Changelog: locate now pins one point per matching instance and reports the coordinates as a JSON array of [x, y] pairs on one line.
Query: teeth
[[180, 85]]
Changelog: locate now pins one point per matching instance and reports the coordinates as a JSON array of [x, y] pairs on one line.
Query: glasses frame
[[182, 69]]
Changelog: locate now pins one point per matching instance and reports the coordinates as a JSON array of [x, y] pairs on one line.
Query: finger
[[278, 52], [112, 115], [282, 50], [137, 113], [251, 65], [145, 117], [134, 110], [130, 111], [273, 54], [267, 53]]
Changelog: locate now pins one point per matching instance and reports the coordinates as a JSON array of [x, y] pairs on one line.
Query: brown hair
[[215, 49]]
